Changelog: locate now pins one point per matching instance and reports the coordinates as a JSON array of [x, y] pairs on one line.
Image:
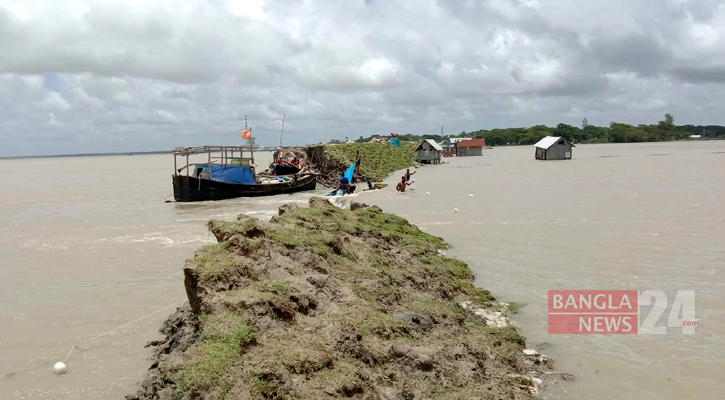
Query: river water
[[87, 245]]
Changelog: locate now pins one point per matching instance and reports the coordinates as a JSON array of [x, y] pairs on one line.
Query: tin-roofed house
[[446, 145], [553, 148], [449, 147], [429, 152], [470, 147]]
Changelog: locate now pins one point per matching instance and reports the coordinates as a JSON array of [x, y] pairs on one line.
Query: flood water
[[87, 245]]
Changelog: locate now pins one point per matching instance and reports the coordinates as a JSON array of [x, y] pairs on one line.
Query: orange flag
[[247, 134]]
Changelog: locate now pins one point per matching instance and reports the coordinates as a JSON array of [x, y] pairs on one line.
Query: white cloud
[[54, 101], [137, 75]]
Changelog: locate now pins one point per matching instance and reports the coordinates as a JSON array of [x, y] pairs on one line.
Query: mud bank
[[324, 303]]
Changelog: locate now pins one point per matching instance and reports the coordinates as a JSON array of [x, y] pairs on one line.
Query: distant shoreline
[[124, 153], [142, 153]]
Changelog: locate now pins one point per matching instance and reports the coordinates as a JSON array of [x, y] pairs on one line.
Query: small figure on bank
[[345, 186], [358, 158]]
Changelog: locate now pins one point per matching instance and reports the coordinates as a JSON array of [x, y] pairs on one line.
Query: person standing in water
[[402, 184], [408, 174]]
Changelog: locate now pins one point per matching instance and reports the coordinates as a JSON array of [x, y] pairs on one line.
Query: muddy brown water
[[87, 244]]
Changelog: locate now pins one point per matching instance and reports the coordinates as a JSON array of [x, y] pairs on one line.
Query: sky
[[131, 75]]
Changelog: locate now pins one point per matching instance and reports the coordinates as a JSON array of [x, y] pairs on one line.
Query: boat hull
[[189, 188]]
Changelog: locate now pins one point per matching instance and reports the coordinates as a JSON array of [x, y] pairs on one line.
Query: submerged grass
[[379, 160]]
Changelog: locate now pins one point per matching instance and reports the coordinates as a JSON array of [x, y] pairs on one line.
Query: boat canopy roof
[[185, 151]]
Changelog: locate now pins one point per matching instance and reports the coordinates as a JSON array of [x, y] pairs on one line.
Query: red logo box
[[586, 312]]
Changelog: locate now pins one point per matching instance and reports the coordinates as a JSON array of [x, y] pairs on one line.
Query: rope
[[43, 359]]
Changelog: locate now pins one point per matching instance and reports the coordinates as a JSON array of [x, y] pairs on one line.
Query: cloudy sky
[[131, 75]]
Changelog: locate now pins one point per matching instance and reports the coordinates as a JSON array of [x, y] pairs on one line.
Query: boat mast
[[282, 133], [251, 147]]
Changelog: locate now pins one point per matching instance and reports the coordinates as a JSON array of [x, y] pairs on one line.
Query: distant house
[[470, 147], [429, 152], [449, 144], [553, 148], [446, 145]]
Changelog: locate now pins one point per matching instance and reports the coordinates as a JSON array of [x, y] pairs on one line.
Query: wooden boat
[[225, 173]]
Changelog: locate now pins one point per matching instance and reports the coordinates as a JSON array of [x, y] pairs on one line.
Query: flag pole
[[282, 133]]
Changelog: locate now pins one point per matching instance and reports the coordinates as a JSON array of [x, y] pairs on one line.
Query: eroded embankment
[[379, 160], [325, 303]]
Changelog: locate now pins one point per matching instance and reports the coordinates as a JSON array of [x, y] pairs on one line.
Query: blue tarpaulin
[[349, 174], [232, 174], [394, 141]]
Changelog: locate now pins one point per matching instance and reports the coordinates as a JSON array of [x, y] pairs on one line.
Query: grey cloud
[[701, 75], [148, 76], [637, 53]]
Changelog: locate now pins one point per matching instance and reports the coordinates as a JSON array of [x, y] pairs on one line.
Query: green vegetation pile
[[379, 160], [325, 303]]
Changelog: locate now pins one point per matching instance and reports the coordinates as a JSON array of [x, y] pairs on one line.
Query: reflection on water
[[90, 245]]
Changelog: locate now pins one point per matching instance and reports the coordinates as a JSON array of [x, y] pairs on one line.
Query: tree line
[[616, 132]]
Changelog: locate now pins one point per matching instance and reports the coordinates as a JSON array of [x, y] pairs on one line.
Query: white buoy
[[470, 195], [455, 210], [59, 368]]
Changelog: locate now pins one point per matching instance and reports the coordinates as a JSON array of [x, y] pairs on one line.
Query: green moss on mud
[[277, 287], [223, 338], [214, 260], [297, 236], [337, 290]]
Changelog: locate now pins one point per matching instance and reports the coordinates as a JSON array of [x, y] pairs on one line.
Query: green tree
[[666, 130], [571, 133]]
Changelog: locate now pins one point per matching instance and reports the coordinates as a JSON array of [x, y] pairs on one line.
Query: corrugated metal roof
[[548, 141], [433, 144], [471, 143]]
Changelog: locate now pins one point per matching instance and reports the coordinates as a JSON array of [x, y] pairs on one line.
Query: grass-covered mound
[[323, 303], [379, 160]]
